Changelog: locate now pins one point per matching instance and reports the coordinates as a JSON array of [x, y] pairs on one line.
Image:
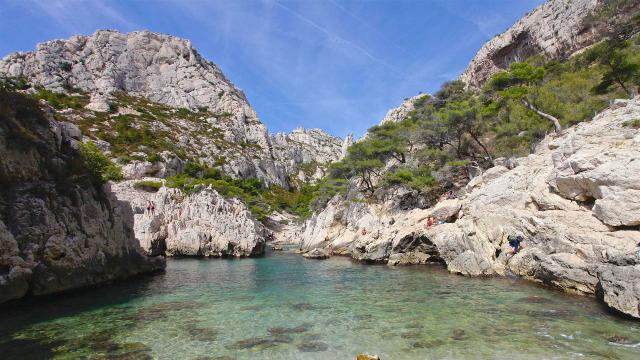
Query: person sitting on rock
[[514, 242], [429, 223]]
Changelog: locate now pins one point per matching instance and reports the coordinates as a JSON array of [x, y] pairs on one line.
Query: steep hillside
[[556, 29], [145, 93], [59, 227]]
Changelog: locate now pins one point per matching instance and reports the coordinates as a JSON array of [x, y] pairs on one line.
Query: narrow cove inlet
[[319, 180], [283, 306]]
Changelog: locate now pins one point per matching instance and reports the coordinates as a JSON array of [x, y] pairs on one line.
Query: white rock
[[201, 224], [557, 29]]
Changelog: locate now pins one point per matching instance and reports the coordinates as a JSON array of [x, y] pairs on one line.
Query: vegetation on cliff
[[260, 199], [458, 127]]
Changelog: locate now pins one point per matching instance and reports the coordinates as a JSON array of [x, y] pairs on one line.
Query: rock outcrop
[[402, 111], [199, 224], [220, 130], [556, 29], [305, 153], [317, 254], [59, 228], [574, 200]]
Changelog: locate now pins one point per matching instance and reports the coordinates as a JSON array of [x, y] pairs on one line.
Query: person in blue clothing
[[515, 241]]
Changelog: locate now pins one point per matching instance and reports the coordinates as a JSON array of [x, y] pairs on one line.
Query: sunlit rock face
[[200, 224], [305, 153], [168, 70], [574, 200], [59, 230], [556, 29]]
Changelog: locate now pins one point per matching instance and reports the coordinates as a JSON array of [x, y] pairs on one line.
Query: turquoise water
[[285, 307]]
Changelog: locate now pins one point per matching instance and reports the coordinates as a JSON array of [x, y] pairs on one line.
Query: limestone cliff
[[126, 77], [556, 29], [59, 229], [402, 111], [574, 200], [305, 154], [199, 224]]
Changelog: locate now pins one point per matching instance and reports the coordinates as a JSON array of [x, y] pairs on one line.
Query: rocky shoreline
[[572, 200]]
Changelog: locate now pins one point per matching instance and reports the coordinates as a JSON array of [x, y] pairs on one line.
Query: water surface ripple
[[285, 307]]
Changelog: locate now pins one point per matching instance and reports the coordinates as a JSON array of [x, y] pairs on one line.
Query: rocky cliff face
[[164, 70], [574, 200], [555, 29], [402, 111], [200, 224], [58, 229], [306, 153]]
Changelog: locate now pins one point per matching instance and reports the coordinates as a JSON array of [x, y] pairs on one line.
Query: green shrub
[[102, 169], [65, 66], [153, 158], [415, 178], [261, 200], [633, 123], [61, 101], [148, 185]]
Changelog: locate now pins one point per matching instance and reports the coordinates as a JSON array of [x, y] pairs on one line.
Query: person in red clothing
[[429, 223]]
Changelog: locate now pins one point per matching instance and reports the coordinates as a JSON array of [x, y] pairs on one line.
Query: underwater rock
[[313, 346], [292, 330], [199, 333], [458, 334]]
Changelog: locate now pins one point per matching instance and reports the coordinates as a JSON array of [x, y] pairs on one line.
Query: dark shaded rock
[[411, 335], [303, 306], [427, 344], [60, 227], [159, 311], [262, 342], [27, 349], [200, 333], [313, 346], [534, 300], [293, 330], [458, 334], [620, 339]]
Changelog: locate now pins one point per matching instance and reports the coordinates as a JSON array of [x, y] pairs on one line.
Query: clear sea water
[[283, 306]]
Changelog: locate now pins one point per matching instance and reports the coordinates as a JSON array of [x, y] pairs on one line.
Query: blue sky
[[337, 65]]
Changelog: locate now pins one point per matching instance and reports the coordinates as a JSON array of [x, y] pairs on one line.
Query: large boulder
[[318, 254], [620, 286]]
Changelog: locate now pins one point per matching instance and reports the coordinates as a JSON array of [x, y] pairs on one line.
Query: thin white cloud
[[78, 16], [337, 38]]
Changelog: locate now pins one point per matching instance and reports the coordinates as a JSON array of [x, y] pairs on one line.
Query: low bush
[[100, 166], [148, 185]]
